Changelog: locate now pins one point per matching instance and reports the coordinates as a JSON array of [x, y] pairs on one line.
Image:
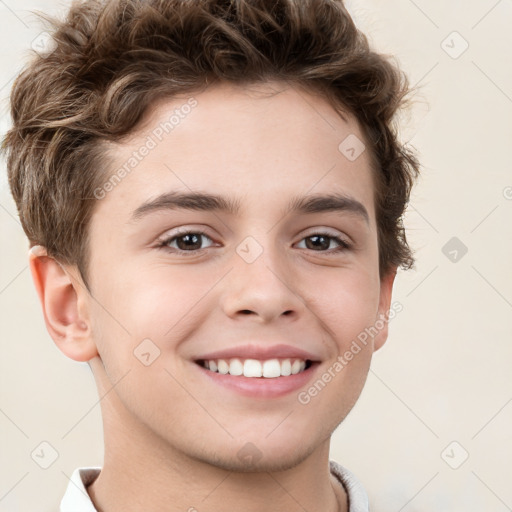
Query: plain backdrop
[[432, 429]]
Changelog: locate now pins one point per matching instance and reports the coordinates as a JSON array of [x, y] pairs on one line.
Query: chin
[[249, 459]]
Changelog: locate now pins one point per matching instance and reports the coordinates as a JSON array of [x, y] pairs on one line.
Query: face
[[242, 242]]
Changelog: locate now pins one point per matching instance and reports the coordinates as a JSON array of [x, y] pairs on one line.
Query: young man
[[213, 196]]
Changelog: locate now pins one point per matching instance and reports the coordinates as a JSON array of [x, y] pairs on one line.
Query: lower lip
[[261, 387]]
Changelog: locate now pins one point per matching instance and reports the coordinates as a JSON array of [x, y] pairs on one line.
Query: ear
[[386, 289], [62, 298]]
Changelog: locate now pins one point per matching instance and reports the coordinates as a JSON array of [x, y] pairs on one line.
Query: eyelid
[[182, 230], [327, 232]]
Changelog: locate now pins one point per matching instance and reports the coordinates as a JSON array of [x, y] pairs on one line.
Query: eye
[[186, 241], [323, 242]]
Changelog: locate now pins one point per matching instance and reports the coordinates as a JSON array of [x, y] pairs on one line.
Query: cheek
[[167, 303], [346, 307], [156, 304], [345, 301]]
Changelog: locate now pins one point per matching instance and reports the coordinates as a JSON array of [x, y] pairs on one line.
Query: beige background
[[444, 374]]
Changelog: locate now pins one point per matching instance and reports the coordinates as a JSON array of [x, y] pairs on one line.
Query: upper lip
[[263, 353]]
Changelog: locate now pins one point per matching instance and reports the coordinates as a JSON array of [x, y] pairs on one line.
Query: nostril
[[246, 311]]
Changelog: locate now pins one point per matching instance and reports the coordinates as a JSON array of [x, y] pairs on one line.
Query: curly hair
[[111, 60]]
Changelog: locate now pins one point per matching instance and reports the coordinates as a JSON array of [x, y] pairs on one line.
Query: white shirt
[[76, 498]]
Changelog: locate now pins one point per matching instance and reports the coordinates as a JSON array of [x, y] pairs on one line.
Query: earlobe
[[59, 297], [386, 289]]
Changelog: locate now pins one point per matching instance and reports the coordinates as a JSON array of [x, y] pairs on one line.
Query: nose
[[262, 290]]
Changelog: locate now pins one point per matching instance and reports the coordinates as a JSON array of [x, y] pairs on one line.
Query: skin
[[171, 436]]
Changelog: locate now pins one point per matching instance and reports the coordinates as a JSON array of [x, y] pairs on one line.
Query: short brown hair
[[113, 59]]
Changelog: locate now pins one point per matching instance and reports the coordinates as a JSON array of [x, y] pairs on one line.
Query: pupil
[[190, 242], [317, 242]]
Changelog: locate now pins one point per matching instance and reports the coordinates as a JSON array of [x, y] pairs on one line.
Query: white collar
[[76, 498], [356, 495]]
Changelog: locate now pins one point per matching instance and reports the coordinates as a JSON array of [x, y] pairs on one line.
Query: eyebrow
[[329, 203], [197, 201]]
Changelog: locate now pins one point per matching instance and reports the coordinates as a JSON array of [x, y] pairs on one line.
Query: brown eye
[[318, 242], [324, 243], [187, 242]]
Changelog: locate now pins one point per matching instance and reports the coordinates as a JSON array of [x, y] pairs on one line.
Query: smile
[[254, 368]]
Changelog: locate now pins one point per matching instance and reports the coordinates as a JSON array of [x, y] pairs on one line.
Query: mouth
[[255, 368], [259, 371]]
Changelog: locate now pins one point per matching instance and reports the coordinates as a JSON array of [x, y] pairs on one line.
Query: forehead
[[260, 143]]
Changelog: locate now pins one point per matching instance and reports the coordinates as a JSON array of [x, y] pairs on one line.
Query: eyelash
[[343, 245]]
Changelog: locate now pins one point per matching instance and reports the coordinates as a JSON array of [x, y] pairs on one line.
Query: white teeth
[[252, 368], [269, 369], [222, 366], [295, 367], [286, 368], [236, 367]]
